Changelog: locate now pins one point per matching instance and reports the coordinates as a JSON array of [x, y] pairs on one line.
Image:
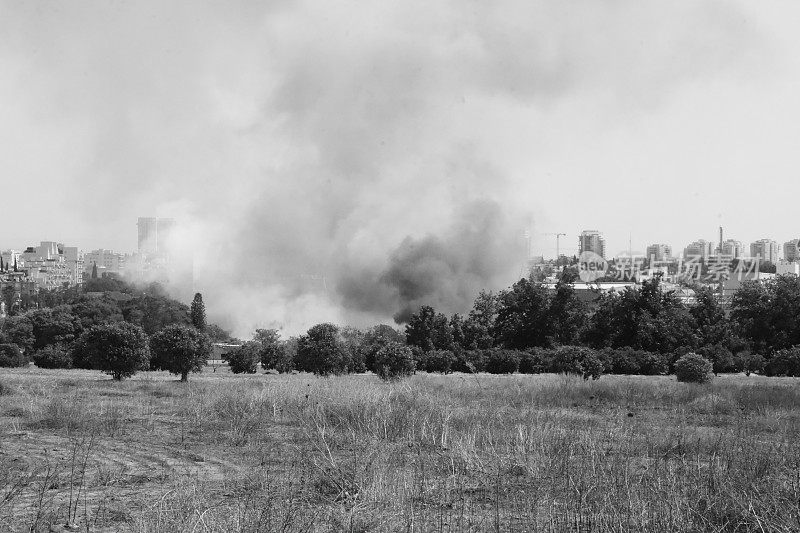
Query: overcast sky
[[318, 137]]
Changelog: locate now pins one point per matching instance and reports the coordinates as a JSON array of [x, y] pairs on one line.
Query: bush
[[500, 361], [53, 356], [394, 361], [536, 361], [750, 362], [694, 368], [11, 356], [784, 363], [722, 360], [470, 361], [181, 349], [119, 349], [629, 361], [244, 359], [322, 351], [578, 360], [441, 361]]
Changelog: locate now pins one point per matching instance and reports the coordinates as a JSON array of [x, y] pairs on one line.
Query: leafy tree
[[523, 319], [118, 349], [394, 361], [646, 318], [218, 334], [180, 349], [153, 311], [94, 271], [18, 330], [322, 351], [567, 313], [376, 338], [198, 312], [709, 318], [94, 311], [245, 358], [107, 284], [784, 362], [429, 330], [500, 361], [53, 356], [272, 351], [353, 339], [51, 326], [479, 325], [11, 356], [766, 313]]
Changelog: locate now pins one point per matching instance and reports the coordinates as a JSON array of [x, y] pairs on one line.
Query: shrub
[[470, 361], [11, 356], [653, 364], [244, 359], [721, 358], [441, 361], [119, 349], [578, 360], [693, 368], [750, 362], [181, 349], [53, 356], [536, 361], [394, 361], [500, 361], [784, 363]]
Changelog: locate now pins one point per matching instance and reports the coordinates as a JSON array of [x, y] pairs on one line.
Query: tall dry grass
[[432, 453]]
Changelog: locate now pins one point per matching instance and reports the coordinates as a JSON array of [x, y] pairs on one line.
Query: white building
[[765, 249]]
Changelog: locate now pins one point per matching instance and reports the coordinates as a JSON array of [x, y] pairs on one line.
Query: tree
[[56, 325], [272, 351], [119, 349], [19, 330], [322, 351], [429, 330], [198, 312], [11, 356], [180, 349], [766, 313], [394, 361], [709, 318], [53, 356], [94, 271], [523, 319], [244, 359], [376, 338]]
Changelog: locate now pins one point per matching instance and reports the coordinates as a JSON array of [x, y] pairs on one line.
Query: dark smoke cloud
[[478, 251]]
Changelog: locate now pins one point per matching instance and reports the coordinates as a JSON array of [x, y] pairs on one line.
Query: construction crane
[[558, 243]]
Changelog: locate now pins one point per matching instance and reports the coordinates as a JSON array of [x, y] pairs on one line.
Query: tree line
[[528, 327], [532, 328], [110, 326]]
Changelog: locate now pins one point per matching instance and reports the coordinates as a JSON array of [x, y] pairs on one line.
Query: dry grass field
[[432, 453]]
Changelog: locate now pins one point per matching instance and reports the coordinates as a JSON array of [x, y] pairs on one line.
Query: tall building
[[732, 248], [765, 249], [165, 227], [106, 261], [659, 252], [148, 235], [791, 250], [592, 241], [700, 248]]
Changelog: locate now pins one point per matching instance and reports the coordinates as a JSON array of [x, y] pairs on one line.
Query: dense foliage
[[180, 349], [244, 359], [119, 349], [11, 356], [693, 368], [394, 361]]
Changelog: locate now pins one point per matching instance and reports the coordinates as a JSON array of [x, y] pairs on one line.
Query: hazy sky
[[354, 141]]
